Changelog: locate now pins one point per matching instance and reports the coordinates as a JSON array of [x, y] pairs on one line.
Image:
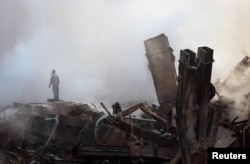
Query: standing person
[[54, 81]]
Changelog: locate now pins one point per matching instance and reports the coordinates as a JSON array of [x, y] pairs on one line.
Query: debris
[[161, 64], [190, 118]]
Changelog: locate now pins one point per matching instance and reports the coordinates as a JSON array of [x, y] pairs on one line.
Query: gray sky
[[97, 46]]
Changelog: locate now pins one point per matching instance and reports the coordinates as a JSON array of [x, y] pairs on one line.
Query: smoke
[[97, 47], [235, 90]]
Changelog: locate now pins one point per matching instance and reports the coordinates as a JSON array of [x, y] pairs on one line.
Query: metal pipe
[[141, 119], [97, 125], [105, 108], [56, 118]]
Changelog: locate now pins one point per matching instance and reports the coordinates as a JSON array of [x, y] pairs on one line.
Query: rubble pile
[[68, 132], [193, 115]]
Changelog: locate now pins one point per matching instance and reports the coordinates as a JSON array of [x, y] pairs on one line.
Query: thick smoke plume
[[97, 46], [235, 90]]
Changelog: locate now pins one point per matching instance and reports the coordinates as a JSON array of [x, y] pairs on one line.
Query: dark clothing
[[54, 81]]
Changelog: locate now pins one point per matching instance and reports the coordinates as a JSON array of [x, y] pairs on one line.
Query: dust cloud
[[97, 46]]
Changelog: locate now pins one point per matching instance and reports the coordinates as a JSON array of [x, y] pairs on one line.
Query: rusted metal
[[105, 108], [84, 126], [205, 60], [185, 104], [246, 136], [161, 64], [196, 118], [65, 132], [145, 110]]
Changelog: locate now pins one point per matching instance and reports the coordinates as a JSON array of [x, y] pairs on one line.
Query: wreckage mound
[[64, 130]]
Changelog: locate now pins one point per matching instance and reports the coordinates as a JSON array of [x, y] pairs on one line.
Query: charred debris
[[193, 115]]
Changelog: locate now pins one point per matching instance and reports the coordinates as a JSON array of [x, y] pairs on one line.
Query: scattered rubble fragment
[[193, 115]]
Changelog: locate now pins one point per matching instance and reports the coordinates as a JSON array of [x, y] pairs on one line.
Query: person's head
[[53, 71]]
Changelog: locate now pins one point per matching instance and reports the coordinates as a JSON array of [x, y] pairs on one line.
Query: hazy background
[[97, 46]]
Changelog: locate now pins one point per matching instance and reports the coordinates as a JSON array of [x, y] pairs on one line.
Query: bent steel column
[[185, 103], [205, 60], [161, 64]]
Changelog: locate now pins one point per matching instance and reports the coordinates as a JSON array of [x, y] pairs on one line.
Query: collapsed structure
[[193, 115]]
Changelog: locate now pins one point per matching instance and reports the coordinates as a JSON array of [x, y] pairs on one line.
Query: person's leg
[[57, 93], [54, 92]]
